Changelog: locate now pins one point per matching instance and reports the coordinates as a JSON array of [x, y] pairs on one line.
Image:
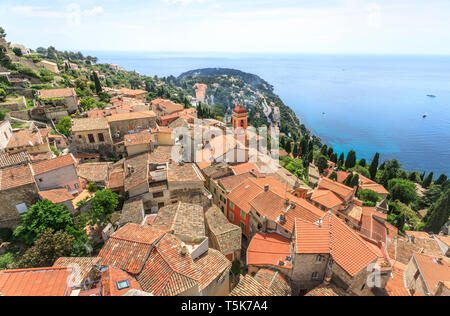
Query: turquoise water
[[371, 103]]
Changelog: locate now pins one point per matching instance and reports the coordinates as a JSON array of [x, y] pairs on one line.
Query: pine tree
[[373, 169]]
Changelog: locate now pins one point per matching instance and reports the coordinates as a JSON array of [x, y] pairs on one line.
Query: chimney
[[266, 188], [183, 251], [282, 218], [320, 223], [287, 203]]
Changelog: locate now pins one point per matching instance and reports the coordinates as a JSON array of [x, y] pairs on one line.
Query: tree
[[322, 163], [363, 163], [296, 151], [334, 176], [438, 214], [368, 195], [288, 147], [441, 180], [40, 217], [391, 170], [2, 33], [2, 95], [350, 162], [103, 206], [98, 85], [402, 190], [352, 180], [17, 51], [373, 169], [341, 159], [304, 146], [64, 125], [428, 180], [47, 248], [324, 150]]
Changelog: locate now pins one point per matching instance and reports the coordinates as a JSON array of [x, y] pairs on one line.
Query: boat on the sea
[[425, 115], [431, 95]]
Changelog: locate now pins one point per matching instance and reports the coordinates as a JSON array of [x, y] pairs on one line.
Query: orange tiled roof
[[378, 188], [269, 250], [342, 176], [396, 283], [326, 198], [83, 265], [245, 168], [326, 290], [340, 189], [240, 110], [432, 271], [373, 224], [210, 266], [97, 113], [144, 137], [53, 164], [168, 106], [348, 249], [243, 194], [9, 160], [110, 279], [15, 177], [129, 247], [130, 116], [25, 138], [274, 281], [132, 92], [57, 195], [116, 179], [57, 93], [248, 286], [35, 282], [231, 182]]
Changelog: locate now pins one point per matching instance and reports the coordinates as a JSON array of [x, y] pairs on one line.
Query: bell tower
[[240, 118]]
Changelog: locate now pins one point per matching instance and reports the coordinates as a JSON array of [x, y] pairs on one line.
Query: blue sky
[[284, 26]]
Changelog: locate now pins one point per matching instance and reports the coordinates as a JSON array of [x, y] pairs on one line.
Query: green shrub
[[5, 234], [92, 187], [6, 260]]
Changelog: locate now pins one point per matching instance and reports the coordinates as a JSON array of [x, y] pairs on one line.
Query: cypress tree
[[363, 162], [341, 159], [374, 166], [351, 160], [441, 179], [98, 85], [438, 214], [428, 180]]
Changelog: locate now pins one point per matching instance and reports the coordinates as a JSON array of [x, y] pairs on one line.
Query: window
[[91, 138], [232, 217], [40, 180], [77, 186], [243, 215], [320, 259], [416, 276], [158, 195], [123, 285], [232, 205], [21, 208], [244, 229], [101, 138], [223, 210], [315, 276]]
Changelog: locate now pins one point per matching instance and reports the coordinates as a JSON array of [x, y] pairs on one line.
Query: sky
[[262, 26]]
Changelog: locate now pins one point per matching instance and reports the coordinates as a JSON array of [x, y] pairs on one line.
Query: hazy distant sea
[[366, 103]]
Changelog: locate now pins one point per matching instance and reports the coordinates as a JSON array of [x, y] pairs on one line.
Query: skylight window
[[123, 285]]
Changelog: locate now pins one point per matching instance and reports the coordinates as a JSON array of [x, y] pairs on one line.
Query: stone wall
[[418, 285], [18, 105], [304, 267], [21, 115], [9, 216]]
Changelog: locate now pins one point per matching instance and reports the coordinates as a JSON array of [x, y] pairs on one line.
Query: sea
[[368, 103]]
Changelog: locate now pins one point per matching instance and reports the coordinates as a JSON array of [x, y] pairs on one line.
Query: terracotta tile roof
[[136, 171], [127, 91], [326, 290], [431, 270], [57, 195], [211, 266], [129, 247], [161, 155], [167, 272], [94, 171], [132, 212], [269, 249], [217, 171], [116, 179], [166, 106], [82, 266], [243, 194], [130, 116], [182, 219], [444, 239], [340, 189], [110, 279], [240, 110], [245, 168], [10, 160], [89, 124], [15, 177], [144, 137], [53, 164], [248, 286], [402, 249], [188, 172], [97, 113], [396, 283], [227, 235], [35, 282], [231, 182], [57, 93], [373, 224], [342, 176], [274, 281], [348, 249], [218, 147], [326, 198], [25, 138], [378, 188]]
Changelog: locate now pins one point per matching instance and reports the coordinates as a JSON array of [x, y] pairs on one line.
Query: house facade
[[5, 134], [91, 135]]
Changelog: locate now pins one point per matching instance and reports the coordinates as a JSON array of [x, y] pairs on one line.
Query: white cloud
[[184, 2], [94, 11]]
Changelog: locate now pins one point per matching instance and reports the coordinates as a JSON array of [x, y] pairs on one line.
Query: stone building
[[55, 103], [33, 140], [18, 192], [122, 124], [140, 142], [91, 135], [5, 134], [53, 67]]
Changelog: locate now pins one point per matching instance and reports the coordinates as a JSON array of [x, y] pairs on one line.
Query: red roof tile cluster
[[396, 283], [269, 249], [144, 137], [210, 266], [57, 195], [245, 167], [326, 290], [240, 110], [110, 279], [57, 93], [433, 269], [53, 164], [36, 282], [347, 248], [15, 177]]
